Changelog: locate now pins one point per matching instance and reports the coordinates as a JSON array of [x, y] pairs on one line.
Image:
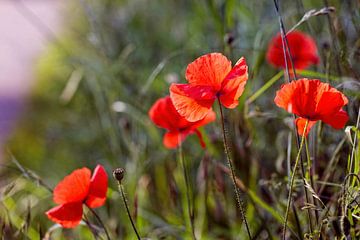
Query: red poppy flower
[[302, 47], [314, 101], [75, 190], [210, 77], [164, 115]]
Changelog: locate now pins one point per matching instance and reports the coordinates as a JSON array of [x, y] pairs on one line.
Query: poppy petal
[[67, 215], [98, 188], [284, 96], [208, 70], [299, 97], [302, 47], [164, 115], [337, 120], [210, 117], [201, 139], [192, 102], [74, 187], [330, 103], [171, 139], [234, 83], [300, 125]]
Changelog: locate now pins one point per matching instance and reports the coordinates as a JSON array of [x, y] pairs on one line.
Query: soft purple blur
[[24, 33]]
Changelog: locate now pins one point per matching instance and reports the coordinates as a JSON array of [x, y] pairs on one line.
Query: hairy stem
[[121, 189], [233, 178]]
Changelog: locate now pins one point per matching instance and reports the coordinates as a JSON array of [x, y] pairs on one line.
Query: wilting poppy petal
[[67, 215], [302, 47], [98, 188], [192, 102], [74, 187], [208, 70], [337, 120], [300, 125], [233, 84], [171, 139]]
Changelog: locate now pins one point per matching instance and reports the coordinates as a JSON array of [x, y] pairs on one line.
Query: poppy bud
[[118, 174]]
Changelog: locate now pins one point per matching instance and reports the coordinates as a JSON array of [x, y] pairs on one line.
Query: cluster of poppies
[[189, 106], [211, 77]]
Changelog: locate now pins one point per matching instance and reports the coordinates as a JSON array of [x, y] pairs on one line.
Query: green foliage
[[115, 58]]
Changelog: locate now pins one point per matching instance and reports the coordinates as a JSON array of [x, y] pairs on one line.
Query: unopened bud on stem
[[118, 174]]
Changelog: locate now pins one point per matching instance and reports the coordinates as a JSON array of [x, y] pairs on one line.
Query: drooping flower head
[[314, 101], [77, 189], [164, 115], [210, 77], [302, 47]]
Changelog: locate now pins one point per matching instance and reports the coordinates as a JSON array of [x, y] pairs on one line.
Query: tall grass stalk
[[233, 178], [293, 178], [187, 186]]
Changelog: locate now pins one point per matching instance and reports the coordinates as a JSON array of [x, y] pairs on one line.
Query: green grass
[[129, 51]]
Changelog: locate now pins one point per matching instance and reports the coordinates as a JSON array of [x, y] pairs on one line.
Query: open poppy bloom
[[164, 115], [210, 77], [312, 100], [75, 190], [302, 47]]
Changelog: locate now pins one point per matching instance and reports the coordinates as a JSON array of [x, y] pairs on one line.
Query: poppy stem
[[187, 186], [100, 221], [93, 231], [293, 178], [121, 189], [233, 178], [311, 178]]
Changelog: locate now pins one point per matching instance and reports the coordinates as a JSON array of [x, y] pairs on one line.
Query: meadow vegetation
[[115, 58]]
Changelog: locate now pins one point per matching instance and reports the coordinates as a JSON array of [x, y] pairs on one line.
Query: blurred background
[[25, 32], [77, 79]]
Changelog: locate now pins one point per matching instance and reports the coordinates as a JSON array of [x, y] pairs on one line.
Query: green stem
[[187, 186], [311, 178], [121, 189], [227, 152], [265, 87], [293, 178]]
